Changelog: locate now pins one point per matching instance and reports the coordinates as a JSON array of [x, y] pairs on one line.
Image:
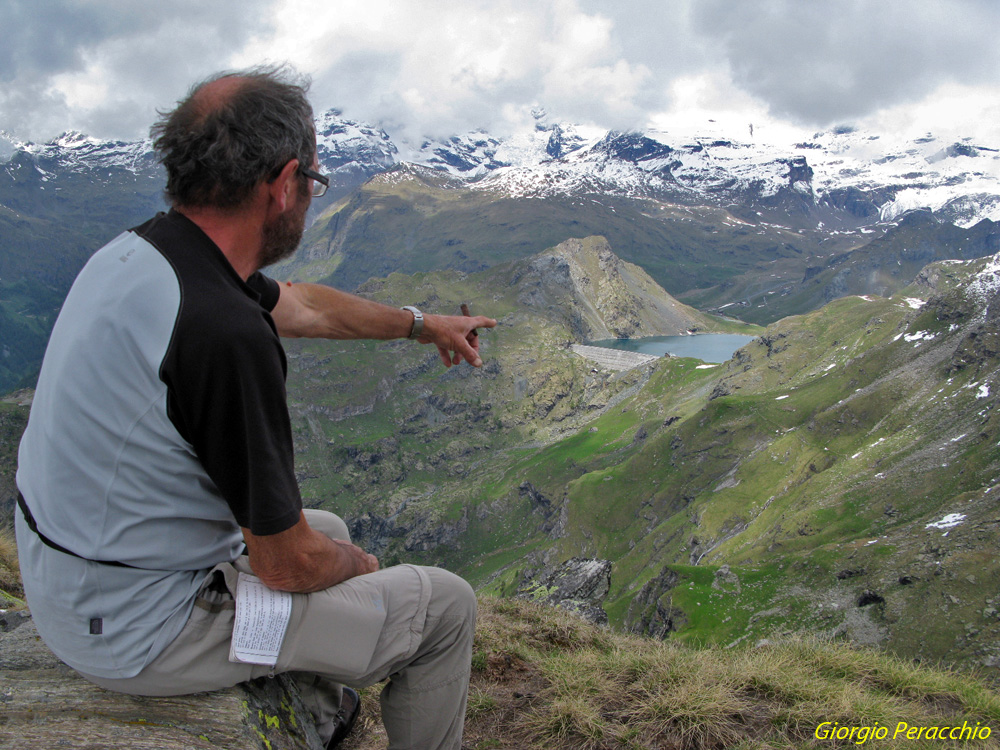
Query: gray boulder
[[45, 704], [579, 585]]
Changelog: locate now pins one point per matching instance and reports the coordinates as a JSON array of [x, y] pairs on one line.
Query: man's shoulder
[[126, 273]]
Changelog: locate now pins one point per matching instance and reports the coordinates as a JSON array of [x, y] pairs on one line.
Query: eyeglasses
[[320, 182]]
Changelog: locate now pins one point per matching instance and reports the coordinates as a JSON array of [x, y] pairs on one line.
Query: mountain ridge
[[874, 176], [731, 226]]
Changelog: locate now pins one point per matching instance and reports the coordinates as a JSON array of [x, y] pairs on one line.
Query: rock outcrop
[[601, 295], [652, 611], [579, 586], [48, 705]]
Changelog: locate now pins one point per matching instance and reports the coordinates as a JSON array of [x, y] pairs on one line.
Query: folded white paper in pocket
[[262, 616]]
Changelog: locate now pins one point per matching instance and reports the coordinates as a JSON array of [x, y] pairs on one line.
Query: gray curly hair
[[232, 131]]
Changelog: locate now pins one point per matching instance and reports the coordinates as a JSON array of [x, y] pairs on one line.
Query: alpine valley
[[836, 477]]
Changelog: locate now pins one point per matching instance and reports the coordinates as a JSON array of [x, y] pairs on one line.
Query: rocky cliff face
[[652, 612], [601, 295]]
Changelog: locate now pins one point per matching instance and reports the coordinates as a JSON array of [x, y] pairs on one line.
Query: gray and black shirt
[[159, 427]]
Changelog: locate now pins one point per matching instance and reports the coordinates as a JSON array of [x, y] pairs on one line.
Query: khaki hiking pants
[[409, 624]]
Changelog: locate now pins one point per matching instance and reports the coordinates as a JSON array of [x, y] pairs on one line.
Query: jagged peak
[[72, 139]]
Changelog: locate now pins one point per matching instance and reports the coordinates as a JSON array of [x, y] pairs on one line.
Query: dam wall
[[613, 359]]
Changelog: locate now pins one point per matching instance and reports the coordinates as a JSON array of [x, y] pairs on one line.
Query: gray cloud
[[142, 55], [50, 36], [820, 62], [363, 81]]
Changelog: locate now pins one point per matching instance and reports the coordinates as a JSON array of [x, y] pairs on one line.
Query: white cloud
[[948, 111], [437, 68], [460, 70], [708, 103]]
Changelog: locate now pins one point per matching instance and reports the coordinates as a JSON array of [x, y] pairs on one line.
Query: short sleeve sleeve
[[227, 398], [268, 289]]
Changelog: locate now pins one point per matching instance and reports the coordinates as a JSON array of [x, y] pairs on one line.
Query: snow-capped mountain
[[563, 180], [346, 147], [78, 150], [474, 155], [869, 176], [842, 175], [73, 150], [881, 177], [78, 164]]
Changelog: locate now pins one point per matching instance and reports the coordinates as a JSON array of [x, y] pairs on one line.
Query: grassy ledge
[[545, 679]]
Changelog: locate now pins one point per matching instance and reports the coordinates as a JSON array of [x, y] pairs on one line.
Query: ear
[[282, 187]]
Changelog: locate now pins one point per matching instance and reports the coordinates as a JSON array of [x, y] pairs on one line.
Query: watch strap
[[418, 322]]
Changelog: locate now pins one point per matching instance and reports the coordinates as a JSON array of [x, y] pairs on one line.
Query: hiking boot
[[350, 707]]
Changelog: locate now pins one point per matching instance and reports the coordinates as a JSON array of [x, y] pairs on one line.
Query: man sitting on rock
[[159, 444]]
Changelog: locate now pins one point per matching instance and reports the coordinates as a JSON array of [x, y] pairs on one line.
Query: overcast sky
[[439, 67]]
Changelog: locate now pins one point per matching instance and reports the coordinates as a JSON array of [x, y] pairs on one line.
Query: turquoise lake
[[708, 347]]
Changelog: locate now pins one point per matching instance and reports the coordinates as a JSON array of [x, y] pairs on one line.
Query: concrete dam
[[613, 359]]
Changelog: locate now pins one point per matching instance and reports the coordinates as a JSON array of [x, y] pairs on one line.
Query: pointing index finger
[[468, 314]]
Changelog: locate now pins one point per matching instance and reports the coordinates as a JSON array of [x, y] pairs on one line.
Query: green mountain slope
[[794, 489], [836, 477], [381, 426], [813, 470]]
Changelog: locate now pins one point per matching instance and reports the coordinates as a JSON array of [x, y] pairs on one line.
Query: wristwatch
[[418, 322]]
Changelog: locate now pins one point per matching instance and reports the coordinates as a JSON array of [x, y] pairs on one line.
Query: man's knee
[[451, 597], [327, 523]]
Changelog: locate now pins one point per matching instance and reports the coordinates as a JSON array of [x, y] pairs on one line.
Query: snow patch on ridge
[[984, 285], [948, 522], [918, 337]]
